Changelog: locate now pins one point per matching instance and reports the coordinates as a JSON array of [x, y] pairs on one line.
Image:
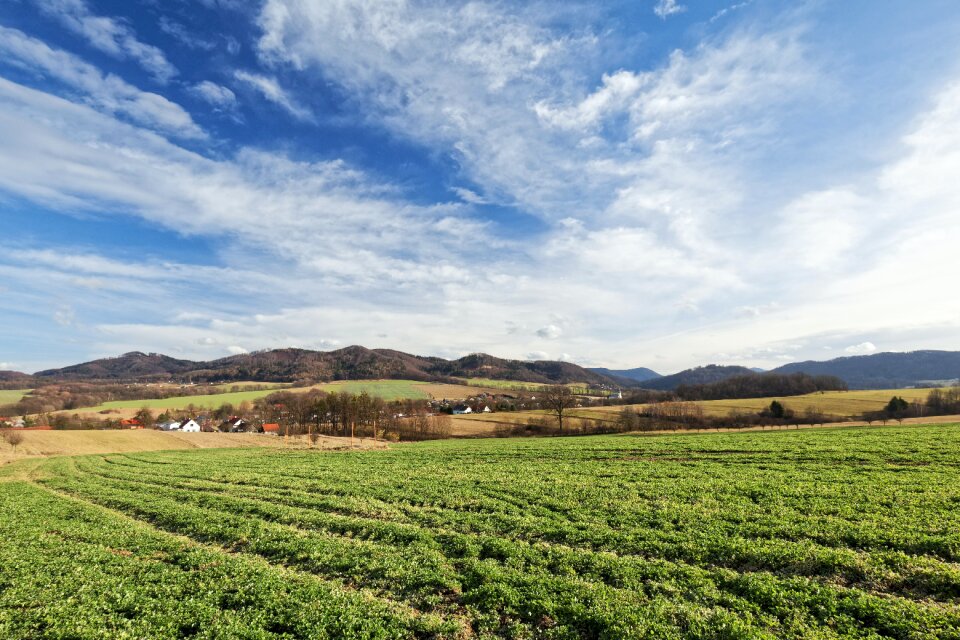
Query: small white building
[[170, 425], [486, 409], [462, 409], [190, 426]]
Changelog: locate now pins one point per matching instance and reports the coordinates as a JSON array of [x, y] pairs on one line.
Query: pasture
[[844, 533], [843, 404], [529, 387], [12, 396], [386, 389]]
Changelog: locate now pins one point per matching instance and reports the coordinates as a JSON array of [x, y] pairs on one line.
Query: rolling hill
[[885, 370], [639, 374], [697, 375], [349, 363]]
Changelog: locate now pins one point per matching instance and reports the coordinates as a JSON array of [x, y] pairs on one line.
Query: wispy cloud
[[217, 95], [270, 89], [108, 34], [667, 8], [106, 92]]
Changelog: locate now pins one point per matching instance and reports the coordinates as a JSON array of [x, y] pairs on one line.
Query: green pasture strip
[[813, 534], [71, 570], [209, 401], [12, 396], [386, 389], [519, 386]]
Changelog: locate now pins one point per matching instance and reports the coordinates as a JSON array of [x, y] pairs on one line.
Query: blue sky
[[648, 183]]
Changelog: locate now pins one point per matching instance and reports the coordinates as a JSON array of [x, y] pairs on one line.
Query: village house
[[271, 427], [169, 425], [190, 426], [131, 423], [462, 409]]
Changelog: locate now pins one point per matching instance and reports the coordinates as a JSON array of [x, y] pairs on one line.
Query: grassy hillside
[[386, 389], [722, 536], [12, 396]]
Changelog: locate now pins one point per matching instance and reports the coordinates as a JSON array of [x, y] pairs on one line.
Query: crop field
[[846, 533], [837, 403], [843, 404], [12, 396]]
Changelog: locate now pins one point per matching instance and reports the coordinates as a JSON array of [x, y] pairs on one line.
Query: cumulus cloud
[[550, 332], [110, 35], [864, 348]]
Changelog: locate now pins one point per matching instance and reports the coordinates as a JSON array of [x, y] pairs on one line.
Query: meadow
[[840, 404], [12, 396], [843, 533], [386, 389]]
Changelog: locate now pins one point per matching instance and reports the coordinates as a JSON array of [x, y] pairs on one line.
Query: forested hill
[[885, 370], [350, 363], [639, 374], [696, 376]]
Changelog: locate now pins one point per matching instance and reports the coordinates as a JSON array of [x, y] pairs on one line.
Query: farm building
[[461, 409], [271, 427], [190, 426], [169, 425], [131, 423], [234, 425]]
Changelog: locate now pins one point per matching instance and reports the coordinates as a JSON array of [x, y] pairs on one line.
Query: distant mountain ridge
[[640, 374], [349, 363], [697, 375], [877, 371], [888, 370]]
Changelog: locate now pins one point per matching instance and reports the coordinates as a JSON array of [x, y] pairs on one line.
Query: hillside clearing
[[752, 535], [12, 396]]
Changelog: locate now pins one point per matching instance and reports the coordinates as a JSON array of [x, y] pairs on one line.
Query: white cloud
[[183, 35], [550, 332], [667, 8], [64, 316], [217, 95], [270, 89], [469, 196], [110, 35], [107, 93], [864, 348]]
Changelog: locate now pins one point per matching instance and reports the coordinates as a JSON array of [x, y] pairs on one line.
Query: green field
[[513, 385], [847, 533], [12, 396], [386, 389], [210, 401]]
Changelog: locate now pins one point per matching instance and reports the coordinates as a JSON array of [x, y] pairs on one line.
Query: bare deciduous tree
[[557, 399], [13, 438]]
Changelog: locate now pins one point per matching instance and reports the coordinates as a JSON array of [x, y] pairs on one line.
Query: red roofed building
[[271, 427], [131, 423]]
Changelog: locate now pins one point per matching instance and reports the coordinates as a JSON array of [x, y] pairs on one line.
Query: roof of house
[[271, 427]]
